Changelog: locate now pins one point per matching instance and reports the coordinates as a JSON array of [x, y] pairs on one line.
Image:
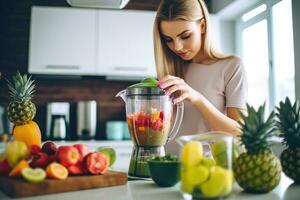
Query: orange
[[16, 171], [57, 171], [28, 133]]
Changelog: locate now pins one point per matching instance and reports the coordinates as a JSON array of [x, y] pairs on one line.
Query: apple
[[76, 169], [34, 149], [49, 148], [83, 150], [96, 163], [67, 155], [16, 151], [39, 160], [5, 168]]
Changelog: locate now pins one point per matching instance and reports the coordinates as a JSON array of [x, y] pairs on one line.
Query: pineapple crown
[[289, 122], [22, 88], [256, 130]]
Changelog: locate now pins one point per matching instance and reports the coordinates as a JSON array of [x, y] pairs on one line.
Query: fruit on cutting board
[[39, 160], [83, 150], [49, 148], [16, 171], [257, 170], [68, 155], [96, 163], [191, 153], [5, 167], [15, 151], [33, 175], [56, 171], [21, 110], [288, 125], [110, 153], [76, 169]]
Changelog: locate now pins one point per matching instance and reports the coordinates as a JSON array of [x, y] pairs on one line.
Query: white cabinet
[[62, 41], [125, 43]]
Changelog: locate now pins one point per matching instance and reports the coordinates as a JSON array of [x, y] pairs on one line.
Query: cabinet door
[[62, 41], [125, 43]]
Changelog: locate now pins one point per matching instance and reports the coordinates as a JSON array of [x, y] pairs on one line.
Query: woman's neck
[[203, 58]]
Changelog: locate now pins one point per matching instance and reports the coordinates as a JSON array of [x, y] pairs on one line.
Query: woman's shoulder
[[232, 61]]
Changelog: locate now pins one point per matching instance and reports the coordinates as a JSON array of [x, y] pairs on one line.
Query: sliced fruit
[[219, 183], [192, 153], [56, 171], [208, 162], [16, 171], [96, 163], [110, 153], [193, 176], [33, 175]]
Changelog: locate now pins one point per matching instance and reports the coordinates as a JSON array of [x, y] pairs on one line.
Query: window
[[265, 42]]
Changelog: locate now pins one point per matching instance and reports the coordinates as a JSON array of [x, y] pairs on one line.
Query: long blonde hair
[[168, 63]]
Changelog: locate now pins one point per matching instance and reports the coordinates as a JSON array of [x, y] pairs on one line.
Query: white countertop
[[147, 190]]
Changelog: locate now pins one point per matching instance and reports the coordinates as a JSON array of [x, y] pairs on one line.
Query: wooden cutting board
[[20, 188]]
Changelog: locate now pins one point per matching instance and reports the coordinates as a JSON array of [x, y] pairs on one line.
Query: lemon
[[193, 176], [192, 153], [219, 183], [110, 153], [33, 175]]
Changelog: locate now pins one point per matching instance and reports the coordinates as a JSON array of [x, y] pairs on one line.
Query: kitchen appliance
[[57, 108], [116, 4], [86, 119], [59, 127], [149, 113]]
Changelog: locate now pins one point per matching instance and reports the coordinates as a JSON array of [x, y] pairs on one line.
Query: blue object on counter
[[114, 130], [126, 134]]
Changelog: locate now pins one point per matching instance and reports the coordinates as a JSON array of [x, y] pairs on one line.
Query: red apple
[[5, 167], [34, 149], [95, 163], [40, 159], [49, 148], [83, 150], [67, 155], [76, 169]]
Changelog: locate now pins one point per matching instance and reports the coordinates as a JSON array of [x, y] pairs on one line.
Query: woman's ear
[[202, 25]]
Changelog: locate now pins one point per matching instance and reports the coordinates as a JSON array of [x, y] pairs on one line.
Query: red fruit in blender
[[157, 125], [34, 149], [5, 168], [39, 159], [49, 148], [96, 163], [161, 115]]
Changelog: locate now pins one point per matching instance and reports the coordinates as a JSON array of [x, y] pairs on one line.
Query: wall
[[296, 29]]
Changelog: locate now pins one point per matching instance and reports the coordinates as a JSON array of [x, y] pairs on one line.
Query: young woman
[[212, 85]]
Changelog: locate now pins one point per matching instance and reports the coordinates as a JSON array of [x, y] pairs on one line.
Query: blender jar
[[206, 170]]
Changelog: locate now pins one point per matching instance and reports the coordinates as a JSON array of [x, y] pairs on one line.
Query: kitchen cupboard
[[62, 41], [77, 41], [125, 43]]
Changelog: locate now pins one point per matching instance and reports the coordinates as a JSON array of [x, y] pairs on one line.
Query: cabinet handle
[[127, 68], [69, 67]]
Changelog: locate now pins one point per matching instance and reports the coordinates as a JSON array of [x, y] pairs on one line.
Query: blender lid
[[144, 89]]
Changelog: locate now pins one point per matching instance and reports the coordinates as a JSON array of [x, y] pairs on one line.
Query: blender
[[151, 123]]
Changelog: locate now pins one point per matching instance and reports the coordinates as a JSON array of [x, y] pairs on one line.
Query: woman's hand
[[171, 84]]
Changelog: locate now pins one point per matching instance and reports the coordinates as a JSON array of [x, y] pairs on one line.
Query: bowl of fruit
[[165, 170]]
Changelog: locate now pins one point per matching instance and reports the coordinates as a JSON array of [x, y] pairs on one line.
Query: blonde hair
[[168, 63]]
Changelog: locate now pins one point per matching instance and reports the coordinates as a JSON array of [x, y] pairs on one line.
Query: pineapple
[[21, 110], [289, 126], [257, 170]]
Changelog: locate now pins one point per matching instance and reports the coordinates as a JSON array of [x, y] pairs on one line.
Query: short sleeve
[[236, 86]]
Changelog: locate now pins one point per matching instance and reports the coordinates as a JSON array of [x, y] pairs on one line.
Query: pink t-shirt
[[223, 83]]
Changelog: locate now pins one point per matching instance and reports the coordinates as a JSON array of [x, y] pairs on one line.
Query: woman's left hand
[[171, 84]]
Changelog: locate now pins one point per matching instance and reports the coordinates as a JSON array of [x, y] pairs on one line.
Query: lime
[[33, 175], [192, 153], [110, 153], [150, 80]]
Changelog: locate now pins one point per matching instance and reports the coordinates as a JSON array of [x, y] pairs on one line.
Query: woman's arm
[[216, 120]]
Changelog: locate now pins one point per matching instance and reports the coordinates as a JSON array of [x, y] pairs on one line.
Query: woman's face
[[183, 37]]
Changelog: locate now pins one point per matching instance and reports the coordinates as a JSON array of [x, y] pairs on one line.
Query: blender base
[[138, 168]]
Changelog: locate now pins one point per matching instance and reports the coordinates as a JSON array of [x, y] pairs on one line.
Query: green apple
[[219, 183], [110, 153], [192, 153], [150, 80], [15, 151], [193, 176]]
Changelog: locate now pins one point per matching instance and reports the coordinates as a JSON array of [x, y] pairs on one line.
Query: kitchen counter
[[147, 190]]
